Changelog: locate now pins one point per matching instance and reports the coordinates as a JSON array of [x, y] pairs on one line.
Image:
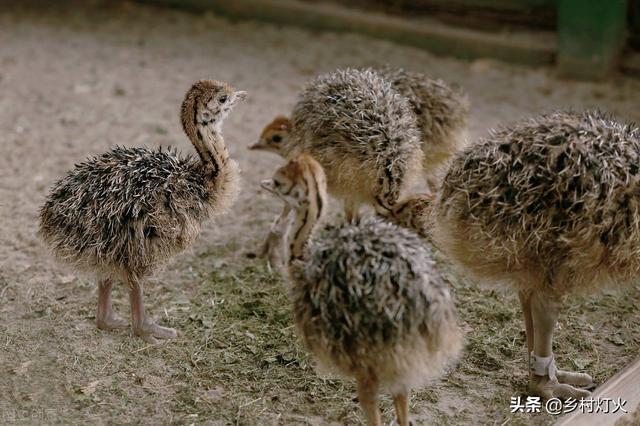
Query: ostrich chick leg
[[550, 383], [105, 318], [272, 247], [525, 303], [401, 402], [142, 326], [368, 396]]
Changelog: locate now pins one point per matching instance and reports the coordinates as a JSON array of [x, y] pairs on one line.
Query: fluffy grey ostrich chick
[[550, 206], [124, 213], [441, 116], [367, 298], [362, 132], [441, 112]]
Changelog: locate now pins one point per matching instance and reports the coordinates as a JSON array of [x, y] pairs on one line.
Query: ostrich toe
[[547, 387], [574, 379], [150, 332]]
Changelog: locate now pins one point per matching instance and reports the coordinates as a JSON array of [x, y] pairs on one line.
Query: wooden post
[[591, 35], [623, 386]]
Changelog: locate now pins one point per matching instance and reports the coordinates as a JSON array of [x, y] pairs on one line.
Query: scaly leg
[[272, 247], [401, 402], [105, 318], [545, 380], [525, 303], [368, 396], [142, 325]]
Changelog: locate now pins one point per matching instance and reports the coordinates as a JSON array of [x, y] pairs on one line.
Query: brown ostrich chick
[[122, 214], [441, 116], [550, 206], [362, 132], [368, 300]]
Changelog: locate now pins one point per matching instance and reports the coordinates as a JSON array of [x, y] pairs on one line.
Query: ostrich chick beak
[[240, 95], [268, 185], [255, 146]]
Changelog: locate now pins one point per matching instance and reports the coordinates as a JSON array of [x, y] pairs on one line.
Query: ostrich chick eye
[[276, 138], [222, 99]]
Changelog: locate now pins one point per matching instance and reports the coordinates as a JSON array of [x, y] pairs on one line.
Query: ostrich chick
[[124, 213], [367, 298], [441, 112], [550, 206], [362, 132], [441, 115]]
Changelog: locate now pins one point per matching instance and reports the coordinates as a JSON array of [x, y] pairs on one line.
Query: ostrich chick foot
[[547, 388], [548, 382], [111, 322], [150, 332]]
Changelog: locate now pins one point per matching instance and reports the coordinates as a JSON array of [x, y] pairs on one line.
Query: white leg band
[[543, 366]]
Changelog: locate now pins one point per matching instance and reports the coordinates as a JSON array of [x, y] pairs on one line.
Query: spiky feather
[[130, 209], [369, 296], [551, 203], [361, 131], [441, 113]]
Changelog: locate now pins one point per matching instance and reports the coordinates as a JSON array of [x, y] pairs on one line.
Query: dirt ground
[[80, 78]]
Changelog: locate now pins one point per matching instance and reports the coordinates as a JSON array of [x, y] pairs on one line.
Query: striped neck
[[208, 142], [306, 217]]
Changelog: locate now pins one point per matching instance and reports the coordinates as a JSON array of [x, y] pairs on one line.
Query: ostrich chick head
[[414, 213], [297, 182], [274, 136], [207, 103]]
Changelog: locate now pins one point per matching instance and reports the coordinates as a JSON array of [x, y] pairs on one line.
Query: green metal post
[[634, 23], [591, 35]]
